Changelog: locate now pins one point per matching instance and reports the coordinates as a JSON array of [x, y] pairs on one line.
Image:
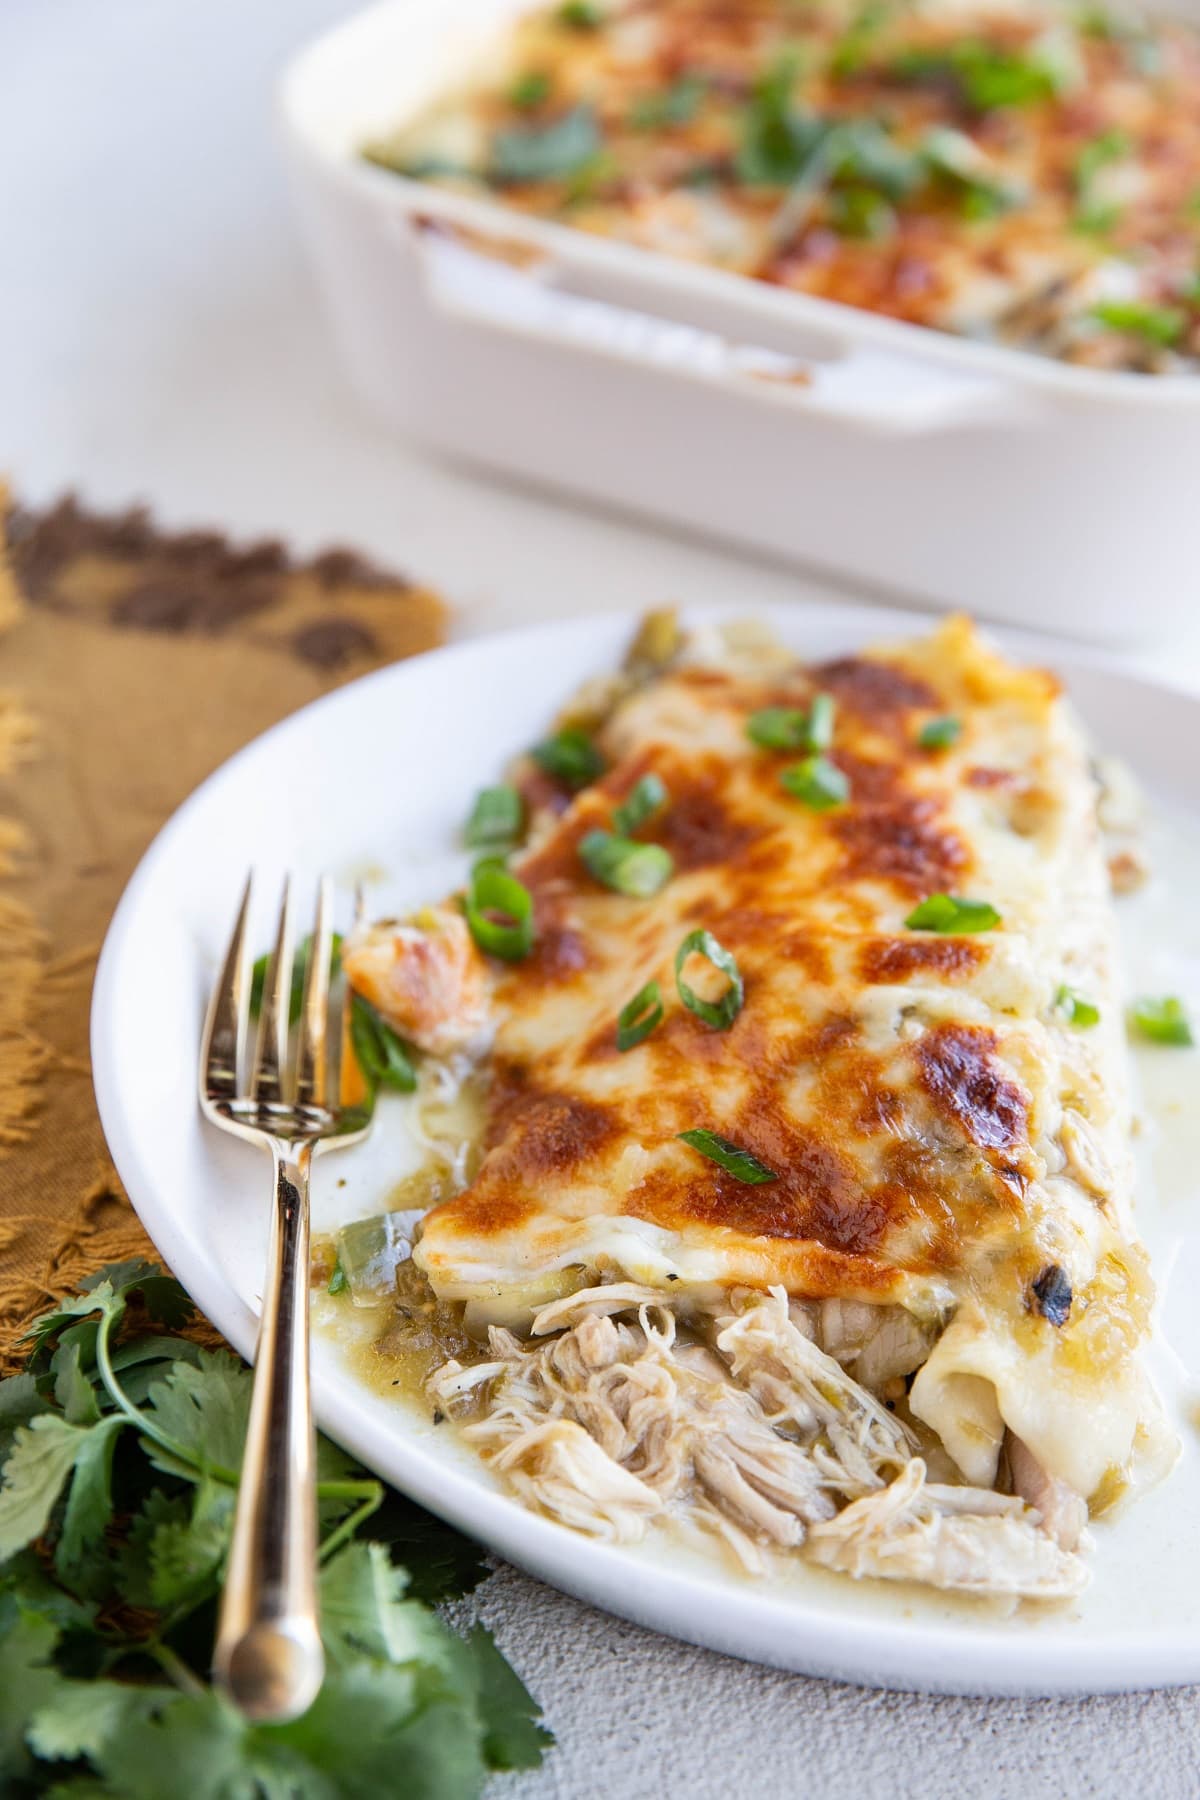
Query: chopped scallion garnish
[[1098, 153], [947, 912], [551, 152], [729, 1156], [818, 782], [939, 734], [1160, 325], [624, 865], [792, 728], [721, 1013], [674, 105], [778, 728], [496, 819], [819, 735], [529, 89], [570, 757], [499, 911], [1075, 1009], [581, 15], [383, 1057], [1162, 1021], [859, 212], [640, 1017], [645, 798]]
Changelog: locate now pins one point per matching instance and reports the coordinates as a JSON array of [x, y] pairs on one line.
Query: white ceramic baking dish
[[924, 465]]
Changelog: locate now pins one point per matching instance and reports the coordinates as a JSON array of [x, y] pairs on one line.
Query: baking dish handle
[[864, 388]]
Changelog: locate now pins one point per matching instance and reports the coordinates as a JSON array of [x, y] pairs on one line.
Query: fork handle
[[268, 1655]]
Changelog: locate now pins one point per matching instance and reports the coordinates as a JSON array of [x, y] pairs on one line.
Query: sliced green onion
[[338, 1282], [570, 757], [791, 728], [1075, 1009], [819, 734], [674, 105], [859, 212], [581, 15], [647, 797], [816, 781], [496, 820], [624, 865], [721, 1013], [947, 912], [640, 1017], [499, 911], [1160, 325], [1098, 153], [551, 152], [939, 734], [1098, 218], [1162, 1021], [778, 728], [383, 1057], [258, 975], [529, 89], [728, 1156]]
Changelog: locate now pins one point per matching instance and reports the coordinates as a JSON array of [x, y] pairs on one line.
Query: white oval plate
[[374, 781]]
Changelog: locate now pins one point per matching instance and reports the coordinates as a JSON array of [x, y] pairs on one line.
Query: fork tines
[[275, 1081]]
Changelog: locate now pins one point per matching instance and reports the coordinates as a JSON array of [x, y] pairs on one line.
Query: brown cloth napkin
[[132, 663]]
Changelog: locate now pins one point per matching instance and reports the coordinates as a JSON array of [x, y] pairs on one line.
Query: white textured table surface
[[160, 342]]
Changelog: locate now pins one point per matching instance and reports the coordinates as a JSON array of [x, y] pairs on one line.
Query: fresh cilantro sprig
[[120, 1446]]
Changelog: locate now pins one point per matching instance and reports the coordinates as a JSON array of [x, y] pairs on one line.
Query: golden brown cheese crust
[[900, 1128], [1079, 135]]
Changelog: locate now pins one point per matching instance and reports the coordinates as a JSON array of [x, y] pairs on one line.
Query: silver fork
[[268, 1655]]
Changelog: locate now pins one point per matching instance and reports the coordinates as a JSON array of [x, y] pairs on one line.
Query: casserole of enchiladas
[[794, 1206], [1022, 173]]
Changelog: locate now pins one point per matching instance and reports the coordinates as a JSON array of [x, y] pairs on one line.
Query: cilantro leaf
[[373, 1718], [21, 1400], [24, 1577], [27, 1681], [72, 1389], [513, 1739], [102, 1598], [134, 1567], [43, 1455], [89, 1503], [108, 1292], [204, 1407], [442, 1564], [139, 1363], [86, 1789], [199, 1746], [363, 1609], [164, 1298], [102, 1298], [187, 1554], [81, 1717]]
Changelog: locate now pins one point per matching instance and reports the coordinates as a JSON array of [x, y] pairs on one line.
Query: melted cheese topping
[[939, 1135], [1013, 171]]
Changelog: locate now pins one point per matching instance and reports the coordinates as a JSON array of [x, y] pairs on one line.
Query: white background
[[159, 341]]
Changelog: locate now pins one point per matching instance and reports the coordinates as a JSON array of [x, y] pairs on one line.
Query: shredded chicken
[[799, 1387], [1062, 1512], [607, 1417], [661, 1415], [561, 1468], [969, 1539]]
